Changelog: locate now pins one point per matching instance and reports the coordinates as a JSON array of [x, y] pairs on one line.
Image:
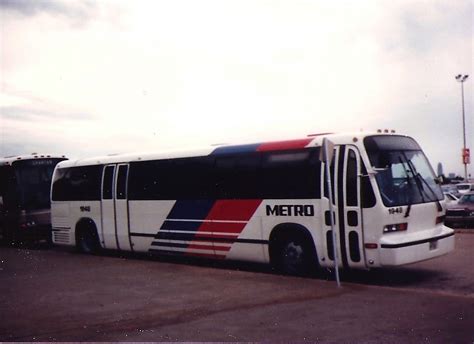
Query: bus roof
[[8, 160], [314, 140]]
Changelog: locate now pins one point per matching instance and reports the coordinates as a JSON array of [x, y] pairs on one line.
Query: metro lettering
[[290, 210]]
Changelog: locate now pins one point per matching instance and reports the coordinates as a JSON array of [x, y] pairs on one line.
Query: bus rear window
[[77, 184]]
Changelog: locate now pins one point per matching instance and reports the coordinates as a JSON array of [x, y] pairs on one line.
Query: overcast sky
[[88, 77]]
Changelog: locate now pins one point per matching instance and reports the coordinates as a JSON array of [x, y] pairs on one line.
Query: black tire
[[294, 255], [87, 241]]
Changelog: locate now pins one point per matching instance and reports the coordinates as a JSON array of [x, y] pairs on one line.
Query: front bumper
[[416, 247]]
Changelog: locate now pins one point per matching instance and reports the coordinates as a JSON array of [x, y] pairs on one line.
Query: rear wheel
[[294, 255]]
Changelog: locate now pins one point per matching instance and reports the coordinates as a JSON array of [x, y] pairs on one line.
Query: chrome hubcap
[[293, 255]]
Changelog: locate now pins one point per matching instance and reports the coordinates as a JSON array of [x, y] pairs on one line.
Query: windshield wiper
[[438, 203], [420, 183], [407, 213]]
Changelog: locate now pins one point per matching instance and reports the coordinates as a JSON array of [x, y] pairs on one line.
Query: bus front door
[[345, 173], [349, 204], [121, 209], [109, 238], [115, 219]]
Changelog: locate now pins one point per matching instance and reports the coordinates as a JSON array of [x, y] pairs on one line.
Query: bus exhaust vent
[[61, 237]]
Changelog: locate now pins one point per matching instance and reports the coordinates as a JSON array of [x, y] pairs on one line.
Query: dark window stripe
[[181, 253], [169, 244], [192, 237], [146, 235], [413, 243]]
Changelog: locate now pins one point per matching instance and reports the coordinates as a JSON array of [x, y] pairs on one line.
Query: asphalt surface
[[59, 295]]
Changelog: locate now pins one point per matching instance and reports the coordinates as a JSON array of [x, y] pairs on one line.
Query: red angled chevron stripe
[[231, 217], [233, 210]]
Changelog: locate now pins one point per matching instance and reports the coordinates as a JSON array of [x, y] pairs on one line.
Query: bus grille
[[61, 236], [61, 222]]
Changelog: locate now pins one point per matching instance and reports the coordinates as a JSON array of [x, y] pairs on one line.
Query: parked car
[[450, 188], [450, 198], [464, 188], [461, 213]]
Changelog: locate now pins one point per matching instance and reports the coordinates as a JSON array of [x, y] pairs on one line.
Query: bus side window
[[60, 185], [77, 183], [351, 180], [122, 182], [248, 176], [225, 176], [291, 174], [238, 176], [107, 187], [367, 192]]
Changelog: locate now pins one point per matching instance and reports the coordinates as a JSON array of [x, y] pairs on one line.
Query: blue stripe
[[236, 149], [191, 226], [191, 209]]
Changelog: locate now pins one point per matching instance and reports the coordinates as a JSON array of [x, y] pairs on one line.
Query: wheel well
[[85, 224], [284, 231]]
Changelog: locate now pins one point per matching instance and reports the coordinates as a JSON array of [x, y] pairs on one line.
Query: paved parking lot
[[48, 295]]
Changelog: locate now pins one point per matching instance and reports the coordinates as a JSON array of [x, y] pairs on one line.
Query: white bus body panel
[[61, 223], [66, 216], [122, 224], [147, 217], [108, 224]]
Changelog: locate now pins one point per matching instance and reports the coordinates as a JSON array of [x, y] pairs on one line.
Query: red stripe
[[234, 210], [283, 145], [222, 227], [227, 210]]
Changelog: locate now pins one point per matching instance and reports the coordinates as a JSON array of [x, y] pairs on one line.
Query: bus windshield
[[404, 175], [33, 182]]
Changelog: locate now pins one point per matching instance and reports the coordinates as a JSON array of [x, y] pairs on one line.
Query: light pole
[[461, 78]]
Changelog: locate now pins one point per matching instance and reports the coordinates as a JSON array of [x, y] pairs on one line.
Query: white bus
[[264, 202], [25, 186]]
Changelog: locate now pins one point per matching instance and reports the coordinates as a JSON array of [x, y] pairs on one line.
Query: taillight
[[395, 227], [440, 219], [371, 246]]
